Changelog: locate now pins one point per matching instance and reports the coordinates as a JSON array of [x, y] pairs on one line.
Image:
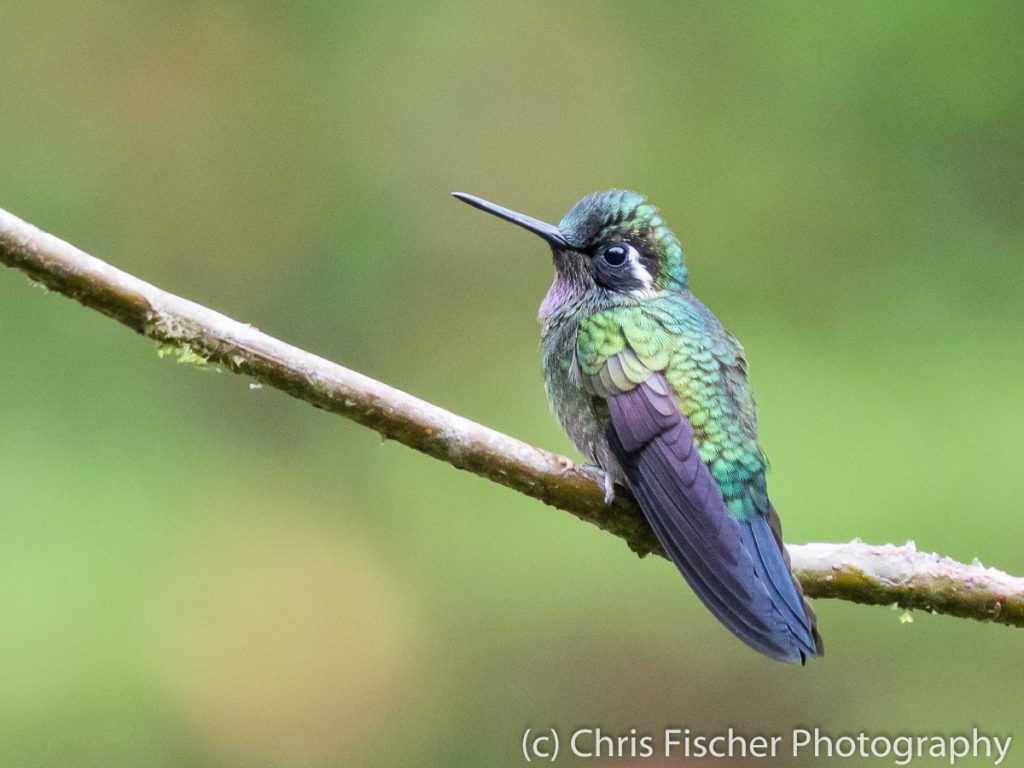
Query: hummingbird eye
[[615, 255]]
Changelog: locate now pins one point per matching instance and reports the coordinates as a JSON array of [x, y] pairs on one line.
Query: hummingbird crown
[[618, 226]]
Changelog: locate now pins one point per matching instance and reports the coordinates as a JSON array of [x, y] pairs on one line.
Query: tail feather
[[773, 571]]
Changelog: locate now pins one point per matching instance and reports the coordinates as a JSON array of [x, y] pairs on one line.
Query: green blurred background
[[194, 573]]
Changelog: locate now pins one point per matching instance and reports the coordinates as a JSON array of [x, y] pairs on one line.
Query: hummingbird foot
[[605, 479]]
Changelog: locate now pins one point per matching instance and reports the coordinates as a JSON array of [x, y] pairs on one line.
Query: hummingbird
[[653, 390]]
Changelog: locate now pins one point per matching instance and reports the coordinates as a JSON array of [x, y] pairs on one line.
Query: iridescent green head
[[612, 240]]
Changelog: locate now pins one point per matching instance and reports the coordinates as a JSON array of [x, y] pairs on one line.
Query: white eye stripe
[[636, 268]]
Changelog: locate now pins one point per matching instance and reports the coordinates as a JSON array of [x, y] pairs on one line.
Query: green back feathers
[[620, 348]]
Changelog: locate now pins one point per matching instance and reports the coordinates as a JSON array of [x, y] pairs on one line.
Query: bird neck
[[572, 298]]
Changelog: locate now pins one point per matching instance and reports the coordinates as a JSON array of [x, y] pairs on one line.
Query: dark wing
[[736, 567]]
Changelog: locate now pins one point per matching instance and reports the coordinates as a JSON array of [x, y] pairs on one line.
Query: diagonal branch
[[858, 572]]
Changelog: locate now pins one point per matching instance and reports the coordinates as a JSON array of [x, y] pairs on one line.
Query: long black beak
[[549, 232]]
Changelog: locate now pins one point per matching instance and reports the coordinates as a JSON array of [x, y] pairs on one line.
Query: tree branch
[[858, 572]]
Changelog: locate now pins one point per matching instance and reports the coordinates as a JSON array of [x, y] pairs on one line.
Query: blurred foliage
[[195, 573]]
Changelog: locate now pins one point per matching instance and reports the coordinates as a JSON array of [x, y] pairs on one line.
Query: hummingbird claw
[[605, 479], [609, 487]]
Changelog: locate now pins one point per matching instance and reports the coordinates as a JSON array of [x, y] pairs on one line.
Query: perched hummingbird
[[649, 386]]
